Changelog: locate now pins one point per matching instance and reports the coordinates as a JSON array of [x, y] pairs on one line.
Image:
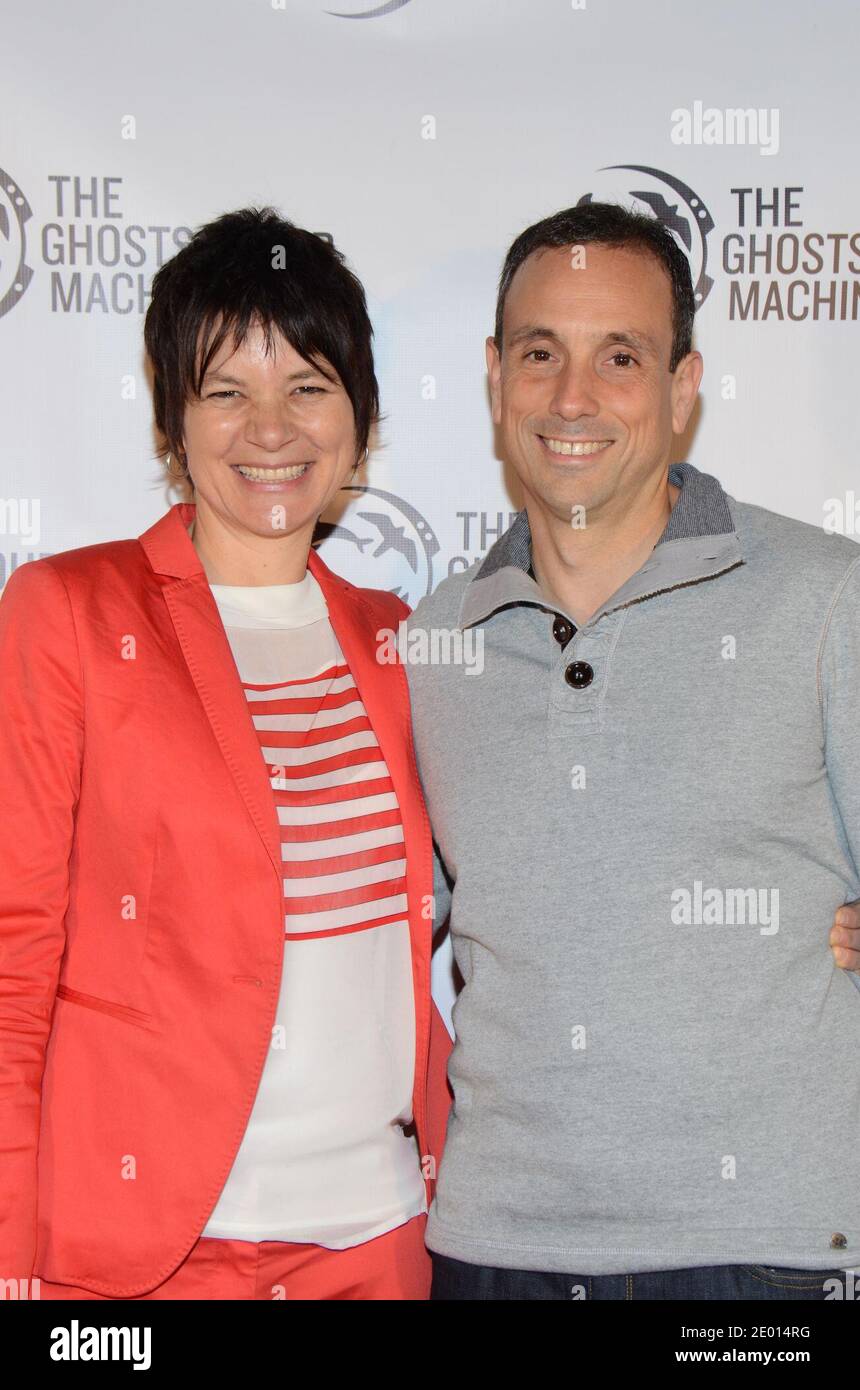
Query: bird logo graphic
[[672, 202], [379, 541], [375, 13], [15, 273]]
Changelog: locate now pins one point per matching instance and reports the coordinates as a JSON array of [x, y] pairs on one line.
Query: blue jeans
[[453, 1279]]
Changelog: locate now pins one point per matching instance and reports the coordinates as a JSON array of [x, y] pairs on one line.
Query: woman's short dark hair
[[612, 225], [253, 266]]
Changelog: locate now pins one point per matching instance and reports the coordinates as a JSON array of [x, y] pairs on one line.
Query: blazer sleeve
[[41, 749]]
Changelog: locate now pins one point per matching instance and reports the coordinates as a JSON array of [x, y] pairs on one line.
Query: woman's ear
[[359, 462]]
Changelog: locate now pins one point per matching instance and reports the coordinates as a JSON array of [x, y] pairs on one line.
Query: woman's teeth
[[272, 475], [576, 450]]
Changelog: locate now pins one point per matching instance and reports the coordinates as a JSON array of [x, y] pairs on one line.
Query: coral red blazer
[[141, 904]]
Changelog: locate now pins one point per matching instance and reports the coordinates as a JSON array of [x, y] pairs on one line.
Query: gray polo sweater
[[657, 1063]]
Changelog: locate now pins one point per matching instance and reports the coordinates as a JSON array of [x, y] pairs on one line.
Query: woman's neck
[[240, 557]]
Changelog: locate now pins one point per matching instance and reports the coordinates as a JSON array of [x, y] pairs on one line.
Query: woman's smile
[[268, 478]]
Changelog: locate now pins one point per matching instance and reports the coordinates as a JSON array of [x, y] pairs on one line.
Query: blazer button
[[578, 674], [562, 630]]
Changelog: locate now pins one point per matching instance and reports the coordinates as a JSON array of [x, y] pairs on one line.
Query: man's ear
[[494, 371], [686, 379]]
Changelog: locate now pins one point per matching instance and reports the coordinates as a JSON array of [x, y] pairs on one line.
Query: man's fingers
[[845, 943]]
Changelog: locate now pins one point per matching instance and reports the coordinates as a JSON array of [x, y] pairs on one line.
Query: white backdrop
[[423, 135]]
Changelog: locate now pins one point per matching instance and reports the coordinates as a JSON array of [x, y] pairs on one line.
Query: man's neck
[[578, 569]]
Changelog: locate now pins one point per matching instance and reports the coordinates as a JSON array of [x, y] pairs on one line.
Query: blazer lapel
[[382, 686], [356, 619], [209, 659]]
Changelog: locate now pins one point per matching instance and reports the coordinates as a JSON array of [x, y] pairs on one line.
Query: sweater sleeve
[[442, 887], [839, 689], [442, 884], [41, 748]]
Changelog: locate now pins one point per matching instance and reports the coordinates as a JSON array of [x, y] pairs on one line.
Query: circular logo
[[379, 542], [680, 210], [388, 8], [15, 274]]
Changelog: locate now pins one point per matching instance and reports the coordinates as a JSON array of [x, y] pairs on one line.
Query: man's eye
[[310, 390], [217, 395], [536, 353], [622, 359]]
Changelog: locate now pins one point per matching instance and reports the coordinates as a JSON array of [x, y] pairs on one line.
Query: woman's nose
[[270, 424]]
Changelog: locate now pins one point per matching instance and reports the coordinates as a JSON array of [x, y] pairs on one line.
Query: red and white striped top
[[324, 1157], [342, 835]]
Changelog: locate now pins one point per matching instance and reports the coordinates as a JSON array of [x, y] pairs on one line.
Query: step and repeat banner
[[422, 136]]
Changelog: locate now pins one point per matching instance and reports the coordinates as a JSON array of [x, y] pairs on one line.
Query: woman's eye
[[310, 390], [218, 395]]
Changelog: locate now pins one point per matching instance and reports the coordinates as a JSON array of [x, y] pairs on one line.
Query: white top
[[324, 1158]]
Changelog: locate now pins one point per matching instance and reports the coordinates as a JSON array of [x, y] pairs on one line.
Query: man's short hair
[[228, 277], [611, 225]]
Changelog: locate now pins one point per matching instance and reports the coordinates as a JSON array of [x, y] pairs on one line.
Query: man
[[646, 800]]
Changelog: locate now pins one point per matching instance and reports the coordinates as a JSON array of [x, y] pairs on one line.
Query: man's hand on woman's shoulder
[[845, 937]]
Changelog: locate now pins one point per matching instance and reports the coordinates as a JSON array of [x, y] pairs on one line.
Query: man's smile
[[574, 448]]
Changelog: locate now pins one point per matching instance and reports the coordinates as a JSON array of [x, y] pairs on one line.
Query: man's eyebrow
[[635, 338], [643, 342], [530, 331]]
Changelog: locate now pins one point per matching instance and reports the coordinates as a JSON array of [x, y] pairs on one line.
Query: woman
[[217, 862]]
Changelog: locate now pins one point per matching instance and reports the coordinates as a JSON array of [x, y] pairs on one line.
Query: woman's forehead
[[260, 345]]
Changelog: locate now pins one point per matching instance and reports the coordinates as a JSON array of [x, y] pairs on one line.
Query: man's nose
[[575, 392]]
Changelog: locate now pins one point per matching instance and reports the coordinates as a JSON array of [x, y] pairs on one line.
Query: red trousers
[[393, 1266]]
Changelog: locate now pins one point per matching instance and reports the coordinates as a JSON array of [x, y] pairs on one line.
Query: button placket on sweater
[[576, 698]]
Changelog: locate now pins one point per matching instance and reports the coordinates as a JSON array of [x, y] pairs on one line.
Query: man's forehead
[[588, 261], [560, 276]]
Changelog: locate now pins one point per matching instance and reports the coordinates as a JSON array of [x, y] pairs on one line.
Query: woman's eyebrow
[[222, 376], [237, 381]]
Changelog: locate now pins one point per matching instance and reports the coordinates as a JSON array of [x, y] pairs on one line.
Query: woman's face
[[269, 442]]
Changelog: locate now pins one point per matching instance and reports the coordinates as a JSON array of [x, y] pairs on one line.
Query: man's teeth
[[576, 450], [272, 475]]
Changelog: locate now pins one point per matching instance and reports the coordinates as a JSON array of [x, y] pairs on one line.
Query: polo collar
[[699, 541]]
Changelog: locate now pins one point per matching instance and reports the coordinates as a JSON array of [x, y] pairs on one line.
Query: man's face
[[582, 393], [271, 439]]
